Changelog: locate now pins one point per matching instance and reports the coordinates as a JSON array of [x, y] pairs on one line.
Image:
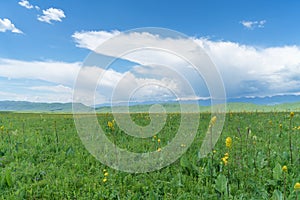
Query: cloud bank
[[37, 81], [246, 71]]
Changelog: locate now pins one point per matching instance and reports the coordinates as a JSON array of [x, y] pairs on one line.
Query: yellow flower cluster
[[228, 142], [105, 176], [292, 114], [225, 158]]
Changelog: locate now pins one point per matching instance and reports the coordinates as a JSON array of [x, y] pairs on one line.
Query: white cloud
[[57, 89], [245, 69], [6, 25], [117, 86], [255, 71], [61, 76], [37, 97], [52, 14], [159, 75], [25, 4], [253, 24], [51, 71], [37, 81], [92, 39]]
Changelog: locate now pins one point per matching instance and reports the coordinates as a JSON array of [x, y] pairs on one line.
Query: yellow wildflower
[[226, 155], [297, 187], [159, 150], [158, 140], [225, 160], [110, 125], [292, 114], [280, 126], [213, 120], [104, 180], [106, 174], [182, 145], [228, 142], [154, 136], [284, 168]]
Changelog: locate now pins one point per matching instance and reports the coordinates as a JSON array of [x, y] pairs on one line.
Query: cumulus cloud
[[7, 25], [25, 4], [163, 72], [253, 24], [52, 14], [246, 70], [256, 71]]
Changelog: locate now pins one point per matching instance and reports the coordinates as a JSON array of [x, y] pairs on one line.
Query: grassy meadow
[[256, 157]]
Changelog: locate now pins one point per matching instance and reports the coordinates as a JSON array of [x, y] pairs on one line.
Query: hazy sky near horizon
[[43, 43]]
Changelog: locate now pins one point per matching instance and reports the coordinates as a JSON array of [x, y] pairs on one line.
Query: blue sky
[[44, 42]]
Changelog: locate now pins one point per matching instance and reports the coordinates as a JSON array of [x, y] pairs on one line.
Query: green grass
[[42, 157]]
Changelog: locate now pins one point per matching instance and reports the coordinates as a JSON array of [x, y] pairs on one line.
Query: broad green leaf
[[8, 178], [277, 195], [221, 183], [277, 172]]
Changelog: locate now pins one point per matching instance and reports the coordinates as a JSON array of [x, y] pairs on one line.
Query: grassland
[[42, 157]]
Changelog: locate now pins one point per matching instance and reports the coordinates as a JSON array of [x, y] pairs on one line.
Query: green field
[[42, 157]]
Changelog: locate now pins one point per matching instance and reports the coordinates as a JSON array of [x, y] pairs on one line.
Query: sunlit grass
[[42, 157]]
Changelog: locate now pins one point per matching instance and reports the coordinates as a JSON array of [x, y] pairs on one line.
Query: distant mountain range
[[279, 102], [25, 106], [268, 100]]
